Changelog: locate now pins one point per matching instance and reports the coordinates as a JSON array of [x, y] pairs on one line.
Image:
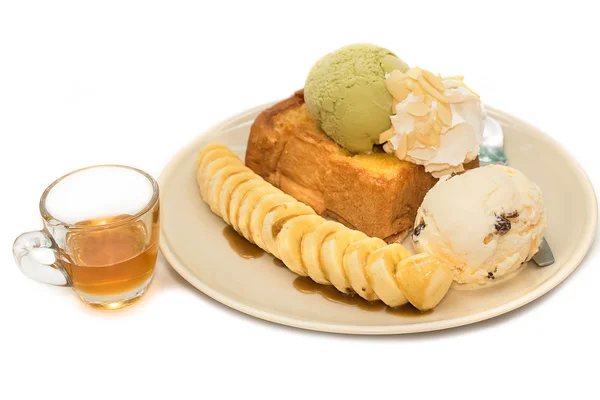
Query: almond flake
[[444, 113], [411, 138], [429, 137], [397, 88], [433, 91], [417, 109], [414, 73], [436, 81], [402, 147], [417, 90], [394, 105], [386, 135]]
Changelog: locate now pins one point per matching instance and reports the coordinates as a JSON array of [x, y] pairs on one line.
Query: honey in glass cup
[[101, 229]]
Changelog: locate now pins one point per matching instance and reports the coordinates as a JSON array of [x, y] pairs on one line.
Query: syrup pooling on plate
[[241, 246], [308, 286]]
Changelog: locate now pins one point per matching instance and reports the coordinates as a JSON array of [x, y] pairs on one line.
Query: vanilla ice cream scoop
[[485, 222], [438, 122]]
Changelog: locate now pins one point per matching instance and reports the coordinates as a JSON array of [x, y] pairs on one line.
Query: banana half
[[355, 262], [227, 189], [381, 266], [332, 256], [424, 280], [311, 250], [264, 205], [289, 240], [276, 218]]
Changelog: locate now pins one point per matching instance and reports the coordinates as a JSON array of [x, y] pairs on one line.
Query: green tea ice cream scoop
[[345, 93]]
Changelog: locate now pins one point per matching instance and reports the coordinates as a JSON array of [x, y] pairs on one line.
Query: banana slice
[[424, 280], [311, 250], [207, 149], [275, 219], [289, 240], [355, 261], [227, 189], [215, 184], [247, 206], [332, 256], [264, 205], [381, 265], [240, 192], [204, 174]]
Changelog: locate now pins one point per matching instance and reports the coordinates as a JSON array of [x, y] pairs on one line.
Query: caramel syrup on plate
[[240, 245], [278, 262], [250, 251], [308, 286]]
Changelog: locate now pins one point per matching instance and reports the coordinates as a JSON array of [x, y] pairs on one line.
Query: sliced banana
[[355, 262], [215, 184], [275, 219], [247, 205], [289, 240], [311, 250], [424, 280], [228, 187], [213, 166], [264, 205], [207, 149], [240, 192], [381, 265], [332, 257]]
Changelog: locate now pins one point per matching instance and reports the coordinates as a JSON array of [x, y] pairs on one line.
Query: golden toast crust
[[377, 194]]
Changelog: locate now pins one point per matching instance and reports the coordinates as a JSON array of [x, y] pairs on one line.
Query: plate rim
[[555, 280]]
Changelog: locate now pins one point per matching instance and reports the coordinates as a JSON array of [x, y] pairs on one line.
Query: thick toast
[[377, 194]]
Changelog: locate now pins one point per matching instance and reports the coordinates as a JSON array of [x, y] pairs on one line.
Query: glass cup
[[100, 235]]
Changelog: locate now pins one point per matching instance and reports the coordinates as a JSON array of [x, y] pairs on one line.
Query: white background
[[84, 82]]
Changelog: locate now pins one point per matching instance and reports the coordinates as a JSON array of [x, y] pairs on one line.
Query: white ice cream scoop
[[485, 222]]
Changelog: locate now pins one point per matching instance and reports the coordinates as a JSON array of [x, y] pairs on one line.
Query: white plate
[[192, 242]]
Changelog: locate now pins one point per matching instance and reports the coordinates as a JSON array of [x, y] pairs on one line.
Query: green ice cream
[[345, 93]]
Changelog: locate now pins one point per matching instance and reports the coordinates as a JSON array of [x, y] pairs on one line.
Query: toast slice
[[377, 194]]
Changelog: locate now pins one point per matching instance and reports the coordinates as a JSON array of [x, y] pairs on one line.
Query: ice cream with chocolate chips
[[485, 222]]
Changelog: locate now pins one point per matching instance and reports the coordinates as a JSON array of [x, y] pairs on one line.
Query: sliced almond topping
[[414, 73], [397, 88], [394, 105], [429, 137], [411, 138], [402, 147], [454, 78], [444, 113], [433, 91], [386, 135], [436, 81], [428, 100], [437, 127], [417, 109], [417, 90], [397, 74]]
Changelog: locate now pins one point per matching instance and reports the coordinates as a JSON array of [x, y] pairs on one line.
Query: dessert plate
[[193, 241]]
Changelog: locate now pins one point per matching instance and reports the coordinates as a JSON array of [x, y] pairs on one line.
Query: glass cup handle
[[36, 256]]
